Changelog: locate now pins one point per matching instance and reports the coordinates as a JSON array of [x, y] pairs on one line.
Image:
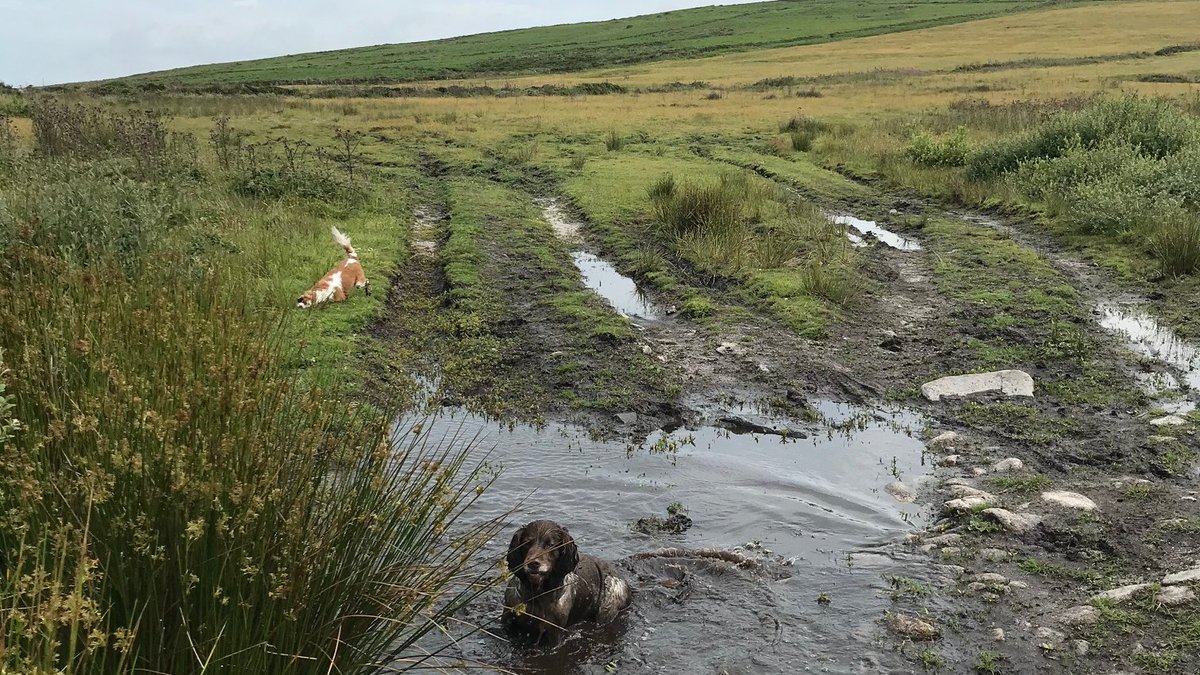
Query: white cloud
[[72, 40]]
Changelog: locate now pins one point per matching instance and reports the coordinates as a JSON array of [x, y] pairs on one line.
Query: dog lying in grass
[[553, 586], [333, 286]]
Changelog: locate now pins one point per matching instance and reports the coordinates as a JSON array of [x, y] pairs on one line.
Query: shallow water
[[1150, 339], [619, 290], [817, 504], [870, 227]]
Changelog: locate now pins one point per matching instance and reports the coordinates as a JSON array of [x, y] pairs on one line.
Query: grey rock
[[627, 418], [1049, 635], [1010, 465], [1122, 594], [991, 578], [950, 460], [952, 539], [1080, 615], [1007, 382], [964, 491], [943, 440], [1169, 421], [1017, 523], [1018, 584], [913, 628], [901, 492], [1173, 596], [1082, 647], [951, 551], [1071, 500], [994, 554], [1184, 577], [977, 587], [979, 471], [965, 504], [998, 635]]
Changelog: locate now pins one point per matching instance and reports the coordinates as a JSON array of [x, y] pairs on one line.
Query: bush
[[276, 182], [613, 141], [949, 150], [1175, 242], [1155, 126], [171, 494]]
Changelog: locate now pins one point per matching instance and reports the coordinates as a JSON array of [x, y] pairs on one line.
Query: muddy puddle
[[869, 228], [813, 511], [619, 290], [1145, 336], [599, 275]]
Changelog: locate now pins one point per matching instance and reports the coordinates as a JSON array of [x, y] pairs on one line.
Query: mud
[[814, 492], [811, 514]]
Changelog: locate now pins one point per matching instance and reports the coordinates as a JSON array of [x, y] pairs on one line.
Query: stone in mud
[[1007, 382], [1173, 596], [740, 424], [964, 491], [1122, 594], [1169, 421], [1082, 647], [1184, 577], [627, 418], [994, 554], [952, 539], [979, 471], [950, 460], [1017, 523], [991, 578], [1018, 584], [901, 492], [913, 628], [943, 440], [1071, 500], [731, 349], [1049, 635], [1080, 615], [965, 504], [1010, 465], [998, 635]]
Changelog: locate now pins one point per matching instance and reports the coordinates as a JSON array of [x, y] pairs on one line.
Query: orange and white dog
[[333, 286]]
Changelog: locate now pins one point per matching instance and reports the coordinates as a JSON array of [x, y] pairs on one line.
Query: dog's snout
[[536, 566]]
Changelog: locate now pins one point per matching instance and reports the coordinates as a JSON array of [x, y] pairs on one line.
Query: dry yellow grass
[[881, 77]]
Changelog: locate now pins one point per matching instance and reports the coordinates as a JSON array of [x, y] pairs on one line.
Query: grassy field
[[196, 231], [575, 47]]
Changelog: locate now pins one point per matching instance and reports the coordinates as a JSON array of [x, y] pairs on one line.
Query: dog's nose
[[535, 566]]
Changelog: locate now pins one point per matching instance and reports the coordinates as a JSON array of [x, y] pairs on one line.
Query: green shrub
[[949, 150], [614, 142], [1114, 205], [802, 141], [276, 182], [1175, 242], [174, 502], [1155, 126]]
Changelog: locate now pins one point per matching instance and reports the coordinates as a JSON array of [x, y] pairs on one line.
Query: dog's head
[[305, 301], [542, 554]]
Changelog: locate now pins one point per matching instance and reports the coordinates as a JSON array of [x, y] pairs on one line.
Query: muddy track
[[1029, 584]]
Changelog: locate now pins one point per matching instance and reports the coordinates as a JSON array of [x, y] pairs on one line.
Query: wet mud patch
[[777, 525]]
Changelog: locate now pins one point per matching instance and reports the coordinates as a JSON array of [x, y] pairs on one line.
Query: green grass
[[184, 487], [575, 47]]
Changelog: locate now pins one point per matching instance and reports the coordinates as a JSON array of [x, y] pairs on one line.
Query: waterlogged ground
[[813, 453], [811, 511]]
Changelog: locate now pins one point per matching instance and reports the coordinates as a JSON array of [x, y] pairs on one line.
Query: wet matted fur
[[553, 586]]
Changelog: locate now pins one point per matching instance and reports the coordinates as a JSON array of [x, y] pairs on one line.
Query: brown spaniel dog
[[554, 587]]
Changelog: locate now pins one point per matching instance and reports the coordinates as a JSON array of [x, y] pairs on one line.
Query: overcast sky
[[53, 41]]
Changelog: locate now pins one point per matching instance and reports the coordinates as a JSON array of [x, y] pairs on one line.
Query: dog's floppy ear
[[516, 554], [567, 556]]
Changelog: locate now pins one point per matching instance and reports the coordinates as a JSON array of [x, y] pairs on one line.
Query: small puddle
[[871, 228], [1149, 338], [619, 290], [564, 226], [813, 509]]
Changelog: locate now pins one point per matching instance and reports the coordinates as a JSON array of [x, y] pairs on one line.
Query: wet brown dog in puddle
[[554, 587]]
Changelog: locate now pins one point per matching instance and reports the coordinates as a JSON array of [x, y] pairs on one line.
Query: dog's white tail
[[343, 241]]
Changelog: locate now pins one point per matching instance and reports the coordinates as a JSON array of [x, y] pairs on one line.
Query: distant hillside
[[670, 35]]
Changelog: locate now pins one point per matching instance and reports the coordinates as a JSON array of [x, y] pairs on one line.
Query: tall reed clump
[[738, 227], [1125, 168], [173, 500]]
